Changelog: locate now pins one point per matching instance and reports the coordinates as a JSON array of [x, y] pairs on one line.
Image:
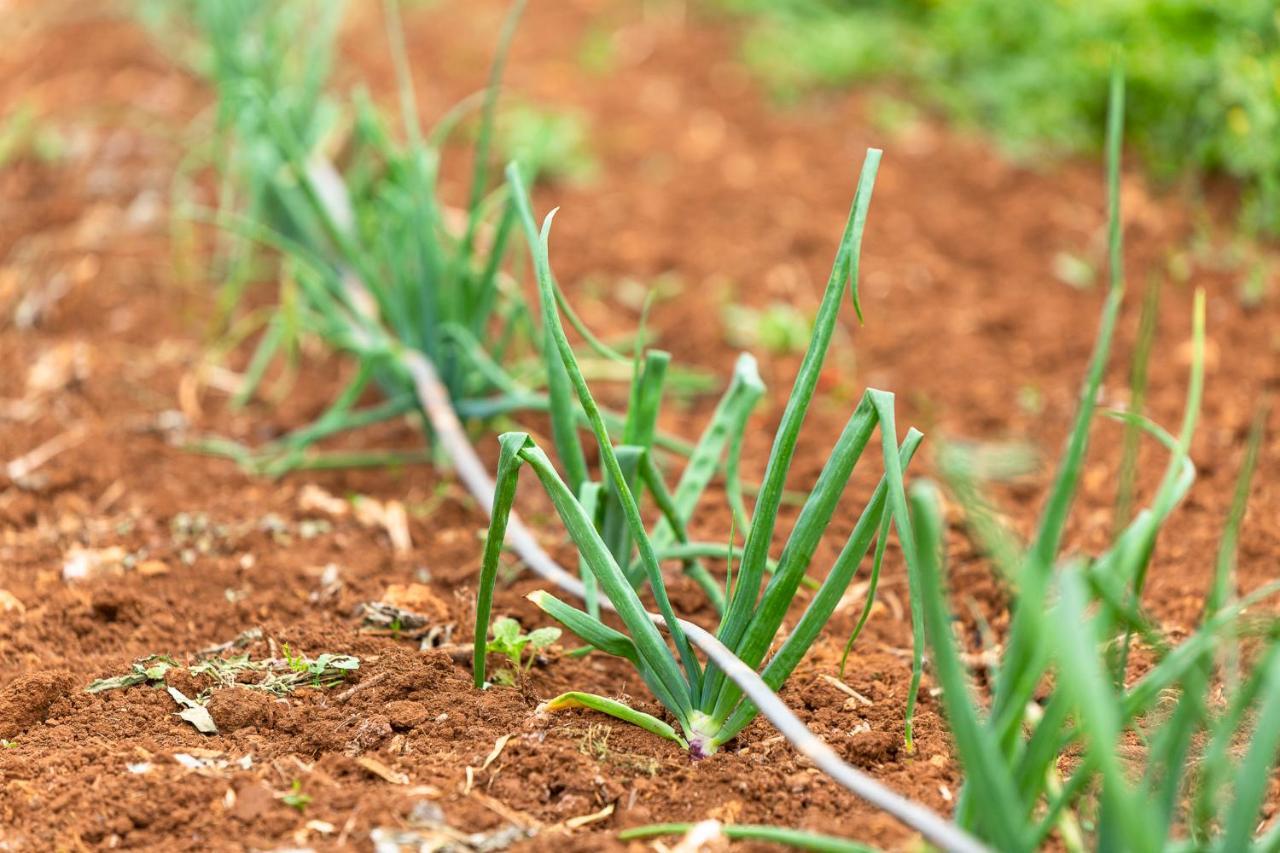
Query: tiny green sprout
[[550, 144], [296, 799], [778, 328], [8, 744], [329, 668], [297, 663], [508, 640]]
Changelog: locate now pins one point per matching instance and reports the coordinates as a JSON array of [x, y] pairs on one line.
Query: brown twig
[[371, 681]]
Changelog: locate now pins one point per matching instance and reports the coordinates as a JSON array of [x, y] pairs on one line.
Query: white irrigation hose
[[475, 477], [435, 401]]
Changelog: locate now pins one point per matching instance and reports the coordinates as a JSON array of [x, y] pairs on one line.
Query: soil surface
[[117, 544]]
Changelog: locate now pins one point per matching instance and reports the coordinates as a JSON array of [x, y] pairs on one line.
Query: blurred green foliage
[[1204, 75], [549, 144]]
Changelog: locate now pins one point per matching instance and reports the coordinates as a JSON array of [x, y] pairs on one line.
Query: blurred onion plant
[[1073, 744], [373, 262]]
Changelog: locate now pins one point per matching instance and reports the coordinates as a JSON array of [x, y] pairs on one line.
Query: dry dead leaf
[[312, 498], [382, 771], [583, 820], [9, 602], [58, 367], [152, 568], [499, 745], [81, 564], [390, 516]]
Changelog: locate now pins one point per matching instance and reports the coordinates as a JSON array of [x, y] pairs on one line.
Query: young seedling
[[779, 328], [295, 798], [510, 641], [709, 709], [549, 144]]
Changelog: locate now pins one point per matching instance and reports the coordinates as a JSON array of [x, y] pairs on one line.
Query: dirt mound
[[26, 701]]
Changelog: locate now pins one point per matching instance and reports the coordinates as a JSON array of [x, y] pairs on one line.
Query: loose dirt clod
[[25, 701], [238, 708]]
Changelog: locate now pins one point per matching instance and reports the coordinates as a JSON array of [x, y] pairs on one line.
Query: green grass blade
[[503, 497], [727, 425], [749, 832], [1042, 751], [615, 709], [801, 544], [1137, 398], [583, 533], [604, 350], [824, 602], [883, 402], [760, 534], [488, 116], [1082, 675], [1053, 520], [564, 424], [1217, 762], [263, 355], [538, 246], [1167, 494], [1012, 691], [586, 626], [979, 752], [873, 584], [589, 494], [693, 567], [1224, 587], [1254, 777], [1170, 759], [646, 400], [1169, 670], [615, 527]]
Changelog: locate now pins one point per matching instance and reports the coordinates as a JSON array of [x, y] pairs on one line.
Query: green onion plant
[[1075, 743], [708, 708], [373, 262]]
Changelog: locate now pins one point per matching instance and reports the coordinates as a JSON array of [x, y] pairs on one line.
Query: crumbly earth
[[105, 326]]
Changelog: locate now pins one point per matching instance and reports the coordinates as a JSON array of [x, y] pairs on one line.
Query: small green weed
[[510, 641], [779, 327], [549, 144], [296, 799], [24, 134]]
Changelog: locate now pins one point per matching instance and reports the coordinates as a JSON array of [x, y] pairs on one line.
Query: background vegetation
[[1204, 77]]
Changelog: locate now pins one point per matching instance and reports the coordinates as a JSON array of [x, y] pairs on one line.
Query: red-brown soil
[[701, 177]]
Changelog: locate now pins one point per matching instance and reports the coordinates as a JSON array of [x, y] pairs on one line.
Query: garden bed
[[123, 545]]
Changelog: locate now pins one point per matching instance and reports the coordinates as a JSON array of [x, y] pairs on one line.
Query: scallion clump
[[709, 709], [1073, 745]]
